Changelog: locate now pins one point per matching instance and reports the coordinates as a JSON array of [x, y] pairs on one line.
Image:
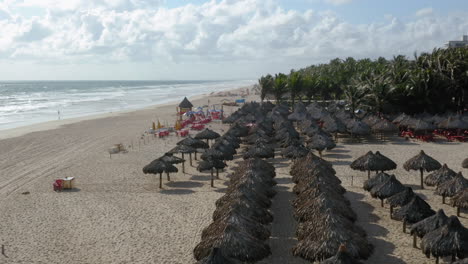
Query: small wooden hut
[[184, 106]]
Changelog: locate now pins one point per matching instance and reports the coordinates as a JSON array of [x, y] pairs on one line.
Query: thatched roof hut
[[320, 142], [194, 143], [465, 163], [170, 158], [185, 104], [448, 240], [295, 152], [421, 125], [213, 154], [309, 210], [422, 162], [378, 179], [260, 151], [216, 257], [439, 176], [452, 187], [356, 127], [460, 200], [414, 211], [387, 188], [341, 257], [249, 210]]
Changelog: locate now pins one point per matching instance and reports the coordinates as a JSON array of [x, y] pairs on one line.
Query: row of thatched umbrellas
[[241, 220], [447, 182], [326, 220], [441, 236]]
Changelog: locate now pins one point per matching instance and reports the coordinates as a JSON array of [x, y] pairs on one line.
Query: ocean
[[29, 102]]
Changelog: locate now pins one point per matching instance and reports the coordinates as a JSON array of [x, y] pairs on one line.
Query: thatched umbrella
[[333, 125], [325, 221], [320, 142], [379, 178], [216, 257], [384, 126], [309, 210], [158, 167], [400, 199], [439, 176], [465, 163], [246, 224], [414, 211], [356, 127], [422, 162], [260, 151], [209, 165], [448, 240], [399, 118], [460, 200], [213, 154], [295, 152], [455, 123], [170, 158], [373, 162], [451, 187], [194, 143], [386, 189], [341, 257], [183, 149], [207, 134], [421, 125], [236, 244], [429, 224]]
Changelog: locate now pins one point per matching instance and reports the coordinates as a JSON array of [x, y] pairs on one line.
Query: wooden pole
[[391, 211], [443, 199], [415, 239], [190, 154], [458, 210], [212, 178], [422, 183], [217, 174], [160, 180], [168, 177], [404, 226], [368, 174], [195, 155], [381, 203], [183, 164]]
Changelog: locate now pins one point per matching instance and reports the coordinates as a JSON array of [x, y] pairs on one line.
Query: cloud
[[230, 32], [338, 2], [425, 12]]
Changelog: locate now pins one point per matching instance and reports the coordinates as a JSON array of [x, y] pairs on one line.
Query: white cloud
[[425, 12], [253, 32], [338, 2]]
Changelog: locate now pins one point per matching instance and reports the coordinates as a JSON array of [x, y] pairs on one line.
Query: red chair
[[58, 185]]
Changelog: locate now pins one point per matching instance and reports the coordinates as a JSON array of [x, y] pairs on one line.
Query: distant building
[[458, 43]]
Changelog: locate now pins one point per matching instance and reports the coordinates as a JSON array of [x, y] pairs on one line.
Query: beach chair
[[58, 185]]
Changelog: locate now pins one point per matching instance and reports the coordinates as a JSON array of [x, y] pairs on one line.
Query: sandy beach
[[117, 214]]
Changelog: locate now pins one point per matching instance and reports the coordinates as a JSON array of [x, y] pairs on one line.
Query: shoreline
[[54, 124]]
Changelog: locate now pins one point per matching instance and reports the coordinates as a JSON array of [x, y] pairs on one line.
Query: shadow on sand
[[176, 191], [184, 184]]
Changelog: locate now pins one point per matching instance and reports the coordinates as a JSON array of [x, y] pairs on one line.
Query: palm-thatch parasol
[[183, 149], [194, 143], [213, 154], [170, 158], [333, 125], [371, 120], [384, 126], [465, 163], [455, 123], [320, 142], [451, 187], [387, 188], [414, 211], [429, 224], [448, 240], [421, 125], [308, 211], [248, 225], [460, 200], [158, 167], [295, 152], [399, 118], [341, 257], [207, 134], [379, 178], [356, 127], [373, 162], [210, 164], [400, 199], [422, 162], [216, 257], [439, 176], [236, 244], [260, 151]]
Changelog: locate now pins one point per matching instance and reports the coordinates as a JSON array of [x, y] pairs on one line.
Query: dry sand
[[118, 215]]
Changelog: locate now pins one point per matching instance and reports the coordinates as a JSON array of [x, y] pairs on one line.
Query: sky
[[212, 40]]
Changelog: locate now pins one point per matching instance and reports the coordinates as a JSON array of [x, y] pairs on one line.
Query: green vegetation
[[432, 82]]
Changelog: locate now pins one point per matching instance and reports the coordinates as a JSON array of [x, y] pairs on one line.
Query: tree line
[[433, 82]]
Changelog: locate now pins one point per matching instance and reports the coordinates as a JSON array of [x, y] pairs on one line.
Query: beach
[[117, 214]]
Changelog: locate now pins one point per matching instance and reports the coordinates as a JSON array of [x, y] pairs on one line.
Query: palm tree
[[280, 86], [266, 85], [295, 84]]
